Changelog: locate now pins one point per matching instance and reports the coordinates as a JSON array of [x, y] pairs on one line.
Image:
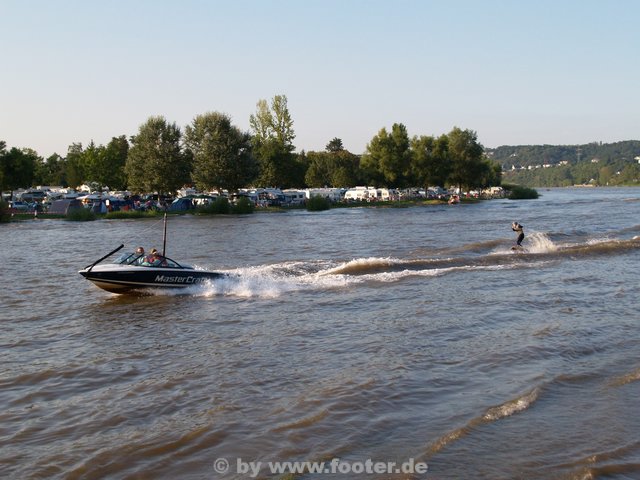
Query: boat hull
[[116, 279]]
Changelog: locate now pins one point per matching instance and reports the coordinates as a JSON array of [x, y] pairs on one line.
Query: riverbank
[[138, 214]]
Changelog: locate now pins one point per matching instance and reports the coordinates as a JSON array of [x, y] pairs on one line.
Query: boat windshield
[[145, 261], [127, 258]]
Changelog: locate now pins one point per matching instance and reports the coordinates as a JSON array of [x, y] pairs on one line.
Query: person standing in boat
[[519, 229]]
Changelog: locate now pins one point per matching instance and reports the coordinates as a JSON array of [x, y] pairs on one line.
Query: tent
[[181, 205], [62, 207]]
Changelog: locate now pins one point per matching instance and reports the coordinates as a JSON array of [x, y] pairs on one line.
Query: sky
[[517, 72]]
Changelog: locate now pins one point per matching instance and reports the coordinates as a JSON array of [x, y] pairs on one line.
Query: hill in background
[[564, 165]]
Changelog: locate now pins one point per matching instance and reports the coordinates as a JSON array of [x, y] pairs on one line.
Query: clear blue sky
[[517, 72]]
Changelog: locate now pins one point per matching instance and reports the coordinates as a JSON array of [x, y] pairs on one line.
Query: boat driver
[[139, 256]]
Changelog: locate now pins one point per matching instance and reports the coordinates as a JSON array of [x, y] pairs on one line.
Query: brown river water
[[353, 337]]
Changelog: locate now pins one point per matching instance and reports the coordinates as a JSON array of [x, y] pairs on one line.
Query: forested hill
[[562, 165]]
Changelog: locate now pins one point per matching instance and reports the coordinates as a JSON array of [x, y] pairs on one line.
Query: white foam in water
[[535, 242], [273, 281], [269, 281], [539, 243], [511, 407]]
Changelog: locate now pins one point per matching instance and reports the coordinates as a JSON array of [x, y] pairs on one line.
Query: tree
[[222, 156], [91, 164], [630, 174], [604, 176], [113, 161], [334, 145], [387, 159], [273, 142], [156, 162], [17, 167], [430, 160], [319, 171], [52, 171], [74, 165], [467, 157]]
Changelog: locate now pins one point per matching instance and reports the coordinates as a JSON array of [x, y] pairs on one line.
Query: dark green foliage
[[218, 206], [387, 160], [17, 167], [81, 215], [522, 193], [565, 165], [222, 206], [222, 157], [4, 211], [243, 206], [318, 203], [120, 214], [337, 168], [156, 161]]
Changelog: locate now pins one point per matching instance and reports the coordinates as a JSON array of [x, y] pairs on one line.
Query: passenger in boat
[[519, 229], [154, 259]]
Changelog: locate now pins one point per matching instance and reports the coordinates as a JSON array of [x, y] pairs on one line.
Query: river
[[404, 335]]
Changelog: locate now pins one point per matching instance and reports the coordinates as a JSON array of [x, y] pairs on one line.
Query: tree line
[[564, 165], [211, 153]]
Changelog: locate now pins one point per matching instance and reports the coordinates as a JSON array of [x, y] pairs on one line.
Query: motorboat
[[131, 272]]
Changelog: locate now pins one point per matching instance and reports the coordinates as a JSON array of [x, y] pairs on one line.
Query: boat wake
[[275, 280]]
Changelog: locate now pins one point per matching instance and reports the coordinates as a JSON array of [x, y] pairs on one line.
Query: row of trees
[[212, 153]]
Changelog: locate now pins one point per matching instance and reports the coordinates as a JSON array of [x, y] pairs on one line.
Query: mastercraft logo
[[252, 469]]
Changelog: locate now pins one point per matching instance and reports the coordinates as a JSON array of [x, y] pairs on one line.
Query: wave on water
[[493, 414], [275, 280], [625, 379], [615, 463]]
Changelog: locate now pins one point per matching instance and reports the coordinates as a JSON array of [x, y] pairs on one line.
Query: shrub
[[522, 193], [119, 214], [220, 205], [80, 215], [243, 205], [317, 203]]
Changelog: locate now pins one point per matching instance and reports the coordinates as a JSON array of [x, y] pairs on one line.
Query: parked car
[[19, 206]]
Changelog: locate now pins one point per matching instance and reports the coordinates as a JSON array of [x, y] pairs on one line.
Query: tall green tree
[[430, 160], [75, 165], [113, 161], [467, 155], [273, 147], [222, 155], [318, 173], [91, 164], [156, 161], [104, 165], [387, 159], [335, 167], [52, 171]]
